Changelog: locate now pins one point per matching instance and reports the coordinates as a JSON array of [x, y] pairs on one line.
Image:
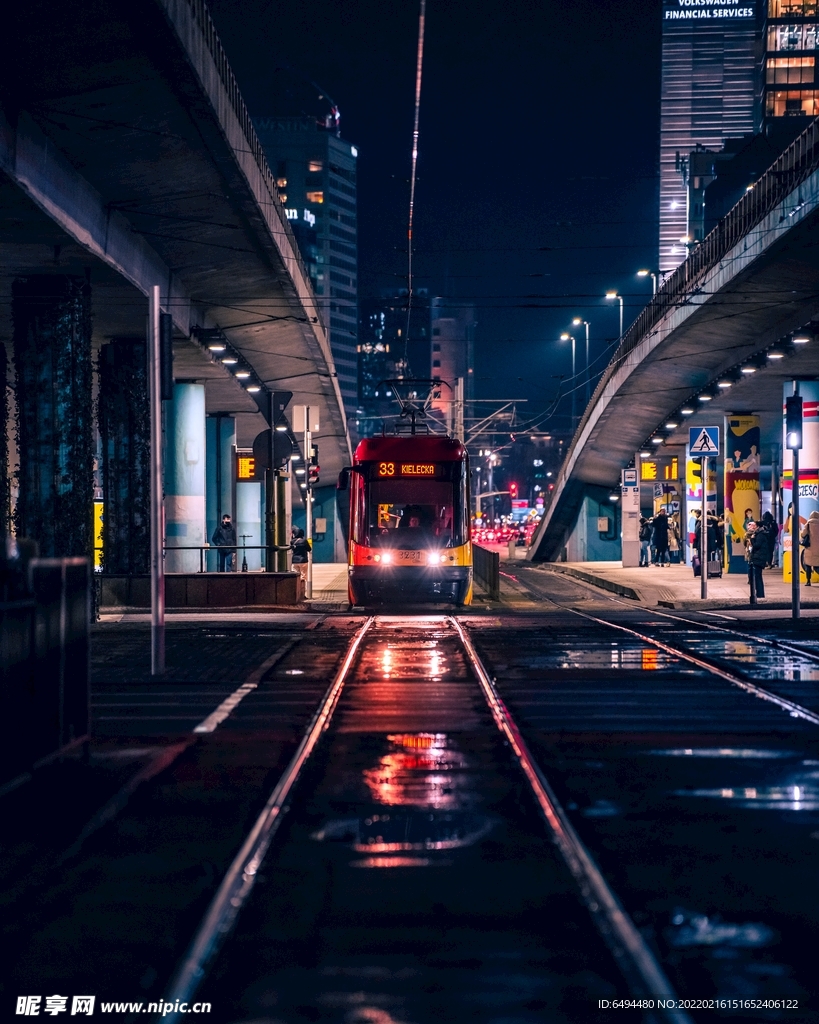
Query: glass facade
[[710, 82], [791, 28]]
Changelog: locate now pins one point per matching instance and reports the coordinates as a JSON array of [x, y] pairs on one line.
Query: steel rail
[[632, 953], [241, 875], [794, 710]]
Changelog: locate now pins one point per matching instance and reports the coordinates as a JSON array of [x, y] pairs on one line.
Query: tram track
[[634, 958], [719, 667]]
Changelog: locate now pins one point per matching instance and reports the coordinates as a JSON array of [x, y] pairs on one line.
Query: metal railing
[[486, 566], [44, 664], [233, 548], [786, 173]]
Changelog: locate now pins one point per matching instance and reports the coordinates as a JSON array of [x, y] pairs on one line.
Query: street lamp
[[653, 276], [576, 323], [569, 337], [614, 295]]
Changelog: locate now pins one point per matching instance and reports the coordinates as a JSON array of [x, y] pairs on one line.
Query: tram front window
[[412, 514]]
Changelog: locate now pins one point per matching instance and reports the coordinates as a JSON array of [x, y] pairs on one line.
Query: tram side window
[[412, 514]]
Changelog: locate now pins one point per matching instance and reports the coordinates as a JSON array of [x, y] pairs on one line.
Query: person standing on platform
[[809, 539], [224, 536], [756, 552], [645, 541], [661, 538], [301, 553], [770, 531]]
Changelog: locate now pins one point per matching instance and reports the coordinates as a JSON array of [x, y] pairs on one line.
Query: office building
[[452, 354], [315, 173], [791, 39], [710, 93]]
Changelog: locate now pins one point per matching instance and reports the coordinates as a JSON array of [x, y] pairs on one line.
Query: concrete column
[[184, 476], [221, 440], [52, 356], [249, 508], [125, 436]]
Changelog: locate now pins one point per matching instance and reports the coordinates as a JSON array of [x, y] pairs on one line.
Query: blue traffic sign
[[703, 441]]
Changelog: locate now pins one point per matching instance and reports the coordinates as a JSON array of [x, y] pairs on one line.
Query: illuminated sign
[[660, 469], [291, 214], [393, 469], [708, 11], [310, 218], [246, 466]]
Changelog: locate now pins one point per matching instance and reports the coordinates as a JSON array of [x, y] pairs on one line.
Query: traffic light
[[513, 490], [313, 467], [793, 422]]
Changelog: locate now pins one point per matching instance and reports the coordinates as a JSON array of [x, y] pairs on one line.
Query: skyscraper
[[710, 93], [315, 173], [452, 356]]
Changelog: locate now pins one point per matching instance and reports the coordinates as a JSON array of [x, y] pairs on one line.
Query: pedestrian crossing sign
[[703, 441]]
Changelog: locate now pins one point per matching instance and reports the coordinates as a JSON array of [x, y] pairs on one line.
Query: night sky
[[538, 156]]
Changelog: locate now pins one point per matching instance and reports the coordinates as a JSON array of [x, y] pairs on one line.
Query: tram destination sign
[[388, 470]]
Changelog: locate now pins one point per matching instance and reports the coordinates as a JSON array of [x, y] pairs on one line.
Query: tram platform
[[674, 586]]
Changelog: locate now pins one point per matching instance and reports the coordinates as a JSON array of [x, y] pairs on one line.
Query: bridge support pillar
[[185, 477], [125, 433], [221, 441], [52, 356]]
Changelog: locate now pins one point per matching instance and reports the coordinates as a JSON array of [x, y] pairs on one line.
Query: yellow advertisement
[[98, 510]]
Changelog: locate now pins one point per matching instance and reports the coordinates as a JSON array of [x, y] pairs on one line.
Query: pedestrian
[[301, 553], [645, 541], [809, 539], [224, 537], [771, 532], [756, 553], [674, 543], [661, 538]]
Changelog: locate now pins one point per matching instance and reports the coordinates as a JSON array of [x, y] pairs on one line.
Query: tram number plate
[[409, 556]]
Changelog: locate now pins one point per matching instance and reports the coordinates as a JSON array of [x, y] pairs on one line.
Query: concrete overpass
[[127, 156], [736, 299]]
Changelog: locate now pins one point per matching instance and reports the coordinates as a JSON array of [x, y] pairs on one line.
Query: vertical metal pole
[[574, 385], [588, 371], [459, 410], [282, 480], [704, 530], [288, 505], [157, 563], [796, 566], [308, 504]]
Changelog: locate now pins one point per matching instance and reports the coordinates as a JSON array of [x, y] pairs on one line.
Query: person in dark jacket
[[301, 552], [756, 551], [225, 536], [661, 538], [770, 531], [645, 540]]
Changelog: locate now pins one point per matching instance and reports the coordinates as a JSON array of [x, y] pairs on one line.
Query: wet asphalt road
[[413, 879]]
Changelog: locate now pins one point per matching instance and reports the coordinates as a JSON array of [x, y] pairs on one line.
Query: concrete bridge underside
[[764, 287], [127, 156]]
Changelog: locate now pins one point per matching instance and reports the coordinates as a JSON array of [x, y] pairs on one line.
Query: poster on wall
[[808, 471], [742, 497], [693, 496]]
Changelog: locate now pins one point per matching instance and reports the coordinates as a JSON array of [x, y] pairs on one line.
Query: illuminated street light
[[653, 276], [776, 355], [614, 295], [687, 411], [569, 337], [576, 322], [801, 341]]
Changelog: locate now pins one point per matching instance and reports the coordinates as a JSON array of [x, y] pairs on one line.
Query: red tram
[[409, 521]]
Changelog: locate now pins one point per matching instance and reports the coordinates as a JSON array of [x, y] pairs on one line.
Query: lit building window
[[281, 182], [315, 165], [792, 8], [790, 70], [792, 103], [315, 197], [282, 197], [792, 37]]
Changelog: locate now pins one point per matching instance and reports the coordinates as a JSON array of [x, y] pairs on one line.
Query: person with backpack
[[301, 553], [645, 541]]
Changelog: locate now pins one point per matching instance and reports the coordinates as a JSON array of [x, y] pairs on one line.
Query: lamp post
[[569, 337], [614, 295], [576, 323], [653, 276]]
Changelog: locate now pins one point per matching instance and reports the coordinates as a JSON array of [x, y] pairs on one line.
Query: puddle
[[758, 661], [735, 752], [691, 929], [421, 770], [802, 795]]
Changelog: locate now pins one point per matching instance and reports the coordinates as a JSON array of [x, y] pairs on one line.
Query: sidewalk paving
[[675, 586]]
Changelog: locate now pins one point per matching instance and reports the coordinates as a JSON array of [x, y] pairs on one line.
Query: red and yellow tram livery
[[410, 521]]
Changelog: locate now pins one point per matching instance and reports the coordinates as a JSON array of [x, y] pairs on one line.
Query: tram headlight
[[385, 558], [433, 558]]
